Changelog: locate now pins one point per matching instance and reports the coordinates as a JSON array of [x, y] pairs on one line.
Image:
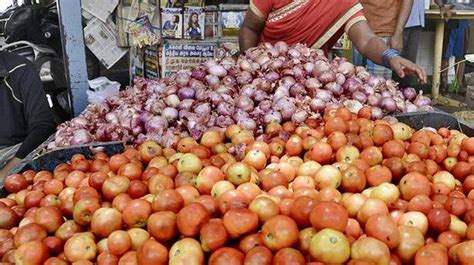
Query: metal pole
[[72, 38]]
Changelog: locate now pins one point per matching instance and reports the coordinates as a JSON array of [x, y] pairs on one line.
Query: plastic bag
[[101, 88]]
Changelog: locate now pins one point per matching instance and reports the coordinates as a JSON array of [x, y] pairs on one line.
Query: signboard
[[178, 56]]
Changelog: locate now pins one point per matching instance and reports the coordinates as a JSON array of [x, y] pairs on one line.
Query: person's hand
[[446, 13], [396, 42], [404, 67]]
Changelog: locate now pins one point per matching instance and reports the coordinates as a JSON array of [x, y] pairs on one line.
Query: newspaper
[[101, 9], [101, 40], [129, 11]]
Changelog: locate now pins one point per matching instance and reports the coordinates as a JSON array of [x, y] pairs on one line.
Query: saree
[[316, 23]]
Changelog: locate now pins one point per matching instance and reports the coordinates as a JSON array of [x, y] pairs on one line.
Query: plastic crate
[[435, 120]]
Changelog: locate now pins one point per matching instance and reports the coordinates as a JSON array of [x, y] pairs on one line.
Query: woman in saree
[[319, 24]]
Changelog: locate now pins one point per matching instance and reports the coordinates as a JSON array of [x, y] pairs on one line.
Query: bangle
[[387, 55]]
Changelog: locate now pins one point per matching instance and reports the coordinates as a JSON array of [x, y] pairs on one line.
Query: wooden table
[[434, 14]]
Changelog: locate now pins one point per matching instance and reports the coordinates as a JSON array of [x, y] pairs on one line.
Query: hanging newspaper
[[172, 23], [232, 17], [101, 40], [128, 11], [177, 56], [194, 23], [100, 9]]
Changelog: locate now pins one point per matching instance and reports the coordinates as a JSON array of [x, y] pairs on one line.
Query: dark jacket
[[25, 116]]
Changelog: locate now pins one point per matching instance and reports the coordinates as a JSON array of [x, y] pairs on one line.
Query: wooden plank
[[437, 58]]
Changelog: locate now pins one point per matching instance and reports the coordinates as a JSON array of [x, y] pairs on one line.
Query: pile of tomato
[[343, 189]]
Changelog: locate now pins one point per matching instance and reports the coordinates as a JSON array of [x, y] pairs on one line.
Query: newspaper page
[[101, 40], [194, 23], [100, 9], [130, 10], [184, 55]]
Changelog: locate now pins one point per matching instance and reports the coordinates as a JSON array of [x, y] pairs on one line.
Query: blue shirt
[[417, 15]]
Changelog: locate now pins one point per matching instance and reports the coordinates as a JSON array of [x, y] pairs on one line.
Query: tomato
[[411, 240], [431, 254], [240, 221], [413, 184], [213, 236], [384, 229], [321, 153], [381, 134], [259, 255], [191, 218], [329, 215], [288, 256], [353, 180], [226, 255], [372, 155], [279, 232], [377, 175], [371, 250], [152, 252], [301, 210]]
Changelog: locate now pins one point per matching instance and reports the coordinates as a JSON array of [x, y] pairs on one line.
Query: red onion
[[400, 103], [265, 105], [409, 93], [325, 95], [244, 77], [353, 105], [320, 67], [374, 81], [340, 79], [300, 116], [308, 67], [287, 81], [170, 114], [334, 88], [386, 94], [210, 63], [212, 80], [359, 96], [374, 100], [421, 100], [352, 84], [327, 77], [225, 108], [240, 114], [215, 98], [145, 116], [112, 118], [156, 124], [170, 90], [224, 90], [377, 113], [245, 103], [286, 107], [265, 85], [297, 89], [182, 78], [281, 92], [200, 94], [298, 72], [317, 105], [293, 53], [172, 101], [367, 90], [196, 84], [203, 109], [247, 123], [276, 64], [347, 69], [262, 59], [312, 83], [410, 107], [198, 74], [260, 95], [388, 104], [245, 65], [390, 119], [426, 108], [272, 116], [185, 104], [186, 93], [81, 136], [281, 46], [217, 70], [272, 76], [229, 81]]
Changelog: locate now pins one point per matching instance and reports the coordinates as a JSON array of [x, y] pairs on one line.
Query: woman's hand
[[404, 67]]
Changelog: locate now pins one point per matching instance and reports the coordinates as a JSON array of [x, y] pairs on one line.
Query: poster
[[231, 21], [129, 11], [211, 24], [152, 66], [136, 62], [172, 23], [177, 56], [194, 18]]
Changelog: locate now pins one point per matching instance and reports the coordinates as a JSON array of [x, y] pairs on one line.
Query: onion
[[217, 70], [215, 98], [245, 103], [281, 46], [286, 107], [81, 136], [374, 82], [265, 105], [224, 121], [426, 108], [320, 67], [185, 104], [293, 53], [317, 105], [410, 107], [240, 114], [352, 84], [272, 116], [312, 83], [367, 90], [359, 96], [245, 65], [200, 94], [264, 85], [272, 76], [347, 69], [400, 103], [112, 118], [157, 124], [170, 114], [374, 100], [229, 81], [353, 105], [298, 72], [300, 116], [262, 59], [390, 119], [259, 95], [172, 101], [335, 88], [182, 78], [325, 95], [297, 89], [340, 79], [186, 93], [327, 77], [386, 94], [388, 104], [287, 81], [145, 116], [212, 80], [224, 90], [203, 109], [421, 100], [276, 64], [308, 67], [198, 74], [225, 108], [196, 84], [409, 93], [281, 92], [377, 113], [247, 123], [244, 77]]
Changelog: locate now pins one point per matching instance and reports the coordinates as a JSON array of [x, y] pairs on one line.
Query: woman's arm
[[250, 32], [373, 48]]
